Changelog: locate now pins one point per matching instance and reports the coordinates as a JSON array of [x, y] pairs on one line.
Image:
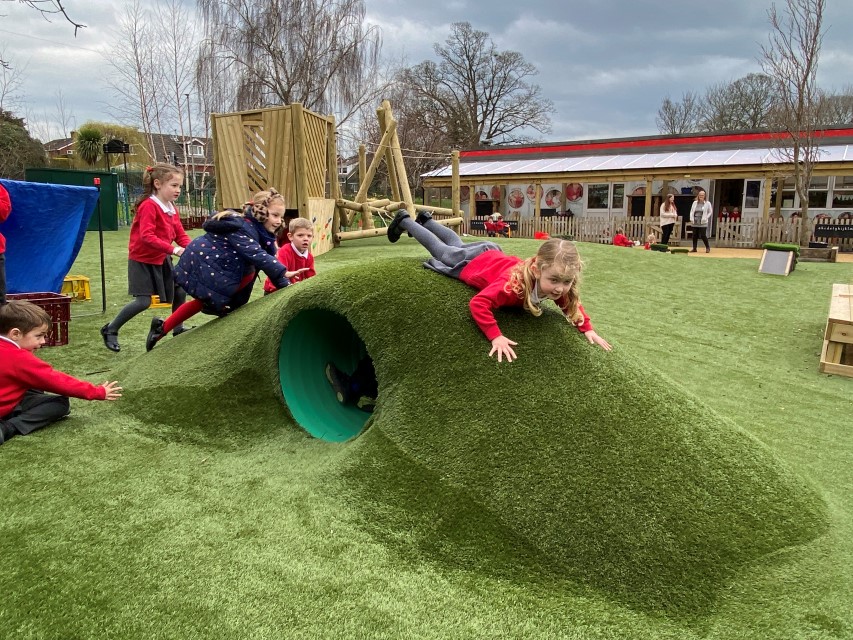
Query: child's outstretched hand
[[290, 274], [594, 338], [113, 390], [503, 347]]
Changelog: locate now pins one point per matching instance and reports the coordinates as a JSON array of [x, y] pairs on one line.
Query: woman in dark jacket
[[218, 269]]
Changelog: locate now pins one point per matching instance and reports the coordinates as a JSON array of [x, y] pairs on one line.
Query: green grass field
[[694, 483]]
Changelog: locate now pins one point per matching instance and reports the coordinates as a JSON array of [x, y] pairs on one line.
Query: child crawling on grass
[[24, 378], [502, 280]]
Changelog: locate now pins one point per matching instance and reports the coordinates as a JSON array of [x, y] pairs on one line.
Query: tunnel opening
[[311, 340]]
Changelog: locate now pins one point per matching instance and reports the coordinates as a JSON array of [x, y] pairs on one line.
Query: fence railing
[[747, 234]]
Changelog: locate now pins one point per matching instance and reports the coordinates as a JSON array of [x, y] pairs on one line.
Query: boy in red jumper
[[296, 254], [24, 407]]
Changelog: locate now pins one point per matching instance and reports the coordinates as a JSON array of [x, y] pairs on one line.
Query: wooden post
[[454, 188], [300, 159], [385, 119], [361, 196], [780, 183], [647, 210], [399, 166], [537, 204], [362, 163]]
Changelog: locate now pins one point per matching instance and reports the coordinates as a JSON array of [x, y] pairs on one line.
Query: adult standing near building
[[700, 214], [668, 217]]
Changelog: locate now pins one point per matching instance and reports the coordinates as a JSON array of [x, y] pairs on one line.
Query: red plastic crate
[[58, 307]]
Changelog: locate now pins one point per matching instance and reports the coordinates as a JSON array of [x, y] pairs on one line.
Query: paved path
[[726, 252]]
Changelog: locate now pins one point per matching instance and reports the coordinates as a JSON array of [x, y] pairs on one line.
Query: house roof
[[59, 144], [170, 143]]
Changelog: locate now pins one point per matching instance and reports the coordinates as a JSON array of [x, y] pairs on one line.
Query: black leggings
[[667, 231], [700, 232]]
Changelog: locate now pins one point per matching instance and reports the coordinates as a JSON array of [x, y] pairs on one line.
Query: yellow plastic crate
[[155, 302], [77, 287]]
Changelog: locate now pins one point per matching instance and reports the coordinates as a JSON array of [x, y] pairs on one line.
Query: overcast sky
[[605, 64]]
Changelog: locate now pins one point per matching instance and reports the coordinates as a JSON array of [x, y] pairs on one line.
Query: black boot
[[394, 230], [423, 217], [110, 339], [154, 333]]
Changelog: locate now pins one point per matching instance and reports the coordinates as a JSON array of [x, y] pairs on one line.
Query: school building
[[588, 188]]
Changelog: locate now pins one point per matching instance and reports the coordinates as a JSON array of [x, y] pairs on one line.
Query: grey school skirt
[[454, 259], [151, 280]]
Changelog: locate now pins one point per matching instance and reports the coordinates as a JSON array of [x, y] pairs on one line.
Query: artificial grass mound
[[571, 459]]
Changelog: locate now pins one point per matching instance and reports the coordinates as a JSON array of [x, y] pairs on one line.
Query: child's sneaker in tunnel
[[340, 383]]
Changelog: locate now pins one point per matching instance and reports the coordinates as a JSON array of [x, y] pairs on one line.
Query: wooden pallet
[[837, 354]]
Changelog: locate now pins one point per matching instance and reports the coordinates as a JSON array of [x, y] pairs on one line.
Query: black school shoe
[[424, 217], [154, 333], [110, 339], [182, 329], [394, 229]]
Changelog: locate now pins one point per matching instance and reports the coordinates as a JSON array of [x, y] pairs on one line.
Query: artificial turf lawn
[[570, 494]]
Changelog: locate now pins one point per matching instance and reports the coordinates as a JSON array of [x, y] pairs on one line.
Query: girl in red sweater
[[502, 280], [155, 231]]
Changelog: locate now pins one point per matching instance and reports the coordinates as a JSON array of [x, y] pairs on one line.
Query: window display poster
[[552, 197], [574, 198], [487, 192], [519, 200]]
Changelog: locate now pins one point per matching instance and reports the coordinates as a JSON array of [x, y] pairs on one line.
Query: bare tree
[[838, 108], [138, 73], [477, 94], [319, 53], [745, 103], [178, 32], [48, 9], [790, 58], [65, 117], [675, 118], [11, 80]]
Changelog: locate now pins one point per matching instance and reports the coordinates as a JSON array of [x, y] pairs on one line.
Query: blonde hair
[[259, 206], [160, 171], [299, 223], [22, 315], [651, 238], [225, 214], [561, 254]]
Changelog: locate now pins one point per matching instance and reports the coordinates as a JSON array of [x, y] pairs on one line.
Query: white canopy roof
[[606, 163]]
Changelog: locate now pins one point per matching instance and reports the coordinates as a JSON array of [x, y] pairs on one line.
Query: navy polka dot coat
[[213, 265]]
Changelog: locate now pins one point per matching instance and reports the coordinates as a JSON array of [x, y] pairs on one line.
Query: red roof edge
[[647, 143]]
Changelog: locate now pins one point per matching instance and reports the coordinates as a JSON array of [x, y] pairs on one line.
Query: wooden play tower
[[294, 150]]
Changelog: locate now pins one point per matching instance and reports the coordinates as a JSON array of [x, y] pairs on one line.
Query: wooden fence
[[746, 234]]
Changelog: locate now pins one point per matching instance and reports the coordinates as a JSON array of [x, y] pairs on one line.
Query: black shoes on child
[[154, 333], [110, 339], [394, 229]]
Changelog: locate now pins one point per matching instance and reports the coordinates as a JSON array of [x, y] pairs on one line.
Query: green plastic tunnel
[[311, 339]]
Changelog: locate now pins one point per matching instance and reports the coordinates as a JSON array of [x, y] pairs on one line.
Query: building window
[[69, 152], [818, 192], [842, 194], [788, 193], [597, 196], [196, 150], [752, 194], [618, 201], [343, 170]]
